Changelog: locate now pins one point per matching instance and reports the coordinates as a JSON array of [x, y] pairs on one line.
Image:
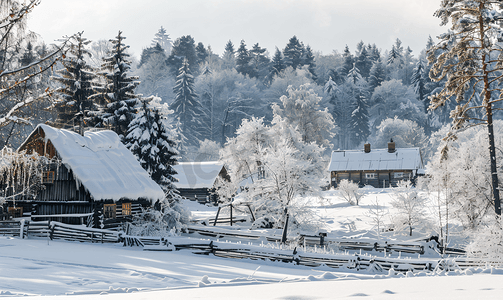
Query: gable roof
[[101, 163], [196, 175], [375, 160]]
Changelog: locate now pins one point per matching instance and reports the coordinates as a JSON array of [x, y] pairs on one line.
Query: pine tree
[[186, 106], [277, 64], [348, 61], [259, 62], [147, 53], [377, 75], [76, 78], [118, 92], [363, 62], [243, 59], [183, 48], [354, 74], [309, 61], [469, 56], [163, 40], [293, 53], [418, 83], [149, 140], [229, 57], [360, 116], [201, 53]]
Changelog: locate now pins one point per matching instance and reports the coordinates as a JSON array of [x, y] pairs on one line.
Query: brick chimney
[[366, 148], [391, 146]]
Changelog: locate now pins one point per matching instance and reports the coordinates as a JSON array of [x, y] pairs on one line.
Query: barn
[[98, 180], [379, 168], [199, 180]]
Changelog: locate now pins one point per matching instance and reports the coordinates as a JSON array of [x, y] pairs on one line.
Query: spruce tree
[[293, 53], [147, 53], [363, 62], [277, 65], [417, 81], [76, 78], [201, 53], [348, 61], [184, 48], [377, 75], [186, 106], [259, 62], [162, 39], [229, 57], [118, 92], [149, 139], [309, 61], [243, 59], [360, 116]]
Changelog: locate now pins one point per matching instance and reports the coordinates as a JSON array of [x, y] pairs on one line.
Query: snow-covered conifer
[[162, 38], [77, 77], [150, 139], [118, 92], [293, 53], [186, 106]]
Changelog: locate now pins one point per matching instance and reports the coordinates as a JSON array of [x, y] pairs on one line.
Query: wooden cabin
[[380, 168], [97, 181], [198, 180]]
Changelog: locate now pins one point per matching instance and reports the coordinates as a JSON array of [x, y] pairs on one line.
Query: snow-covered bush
[[409, 205], [350, 191], [168, 220], [487, 242]]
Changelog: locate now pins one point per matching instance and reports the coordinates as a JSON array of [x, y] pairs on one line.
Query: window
[[48, 177], [398, 175], [126, 209], [109, 211], [370, 175], [16, 212]]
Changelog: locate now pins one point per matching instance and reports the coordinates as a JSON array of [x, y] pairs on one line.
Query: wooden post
[[216, 217], [231, 213], [251, 212]]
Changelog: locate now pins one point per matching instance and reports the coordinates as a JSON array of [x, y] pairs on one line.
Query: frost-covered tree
[[360, 116], [187, 107], [348, 61], [259, 62], [21, 174], [350, 191], [469, 55], [229, 56], [377, 74], [301, 109], [20, 85], [118, 90], [76, 78], [309, 61], [150, 139], [405, 133], [409, 205], [394, 99], [162, 39]]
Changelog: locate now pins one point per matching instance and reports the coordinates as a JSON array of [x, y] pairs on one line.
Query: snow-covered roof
[[375, 160], [196, 175], [104, 166]]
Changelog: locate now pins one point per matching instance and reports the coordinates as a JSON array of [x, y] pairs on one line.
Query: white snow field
[[71, 270]]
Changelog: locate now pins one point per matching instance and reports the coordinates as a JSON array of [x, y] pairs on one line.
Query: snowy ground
[[71, 270]]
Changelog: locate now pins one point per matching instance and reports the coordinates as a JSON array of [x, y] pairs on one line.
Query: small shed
[[98, 176], [378, 167], [198, 180]]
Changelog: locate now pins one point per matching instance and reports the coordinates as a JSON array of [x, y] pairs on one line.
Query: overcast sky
[[325, 25]]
